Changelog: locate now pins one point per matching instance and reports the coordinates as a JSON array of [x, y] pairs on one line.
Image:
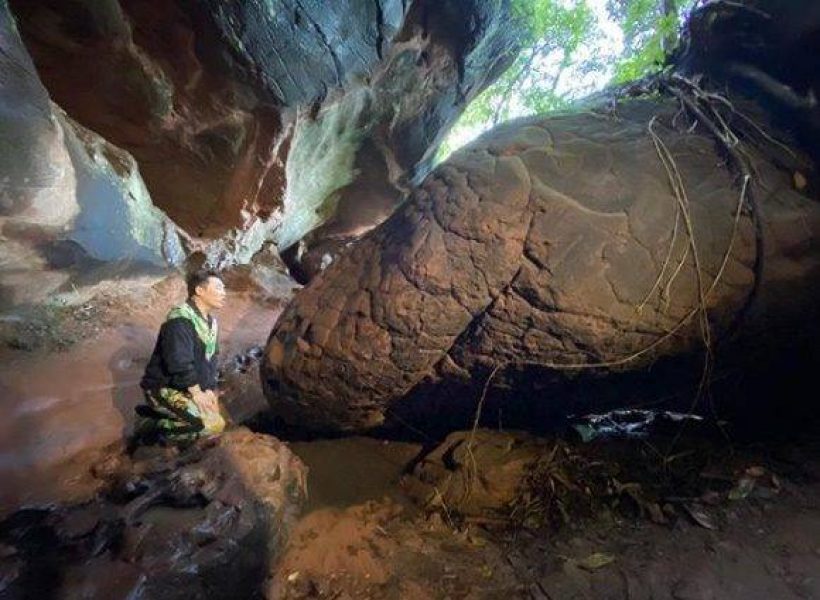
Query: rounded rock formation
[[205, 524], [596, 241]]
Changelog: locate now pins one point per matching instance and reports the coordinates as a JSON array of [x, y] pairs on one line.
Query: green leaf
[[558, 40]]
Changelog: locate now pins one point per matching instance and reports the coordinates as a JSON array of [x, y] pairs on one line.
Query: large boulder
[[563, 244]]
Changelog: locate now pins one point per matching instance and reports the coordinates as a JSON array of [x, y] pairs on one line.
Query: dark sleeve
[[216, 350], [177, 348], [213, 372]]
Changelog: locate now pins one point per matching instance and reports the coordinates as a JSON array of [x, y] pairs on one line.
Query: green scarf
[[206, 333]]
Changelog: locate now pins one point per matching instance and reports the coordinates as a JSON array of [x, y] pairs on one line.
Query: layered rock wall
[[261, 121], [61, 182]]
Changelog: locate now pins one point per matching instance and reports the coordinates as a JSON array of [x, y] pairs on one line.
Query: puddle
[[349, 471]]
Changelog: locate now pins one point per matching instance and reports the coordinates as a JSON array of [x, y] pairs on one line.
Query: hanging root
[[682, 200], [705, 108], [673, 238], [472, 471], [739, 158]]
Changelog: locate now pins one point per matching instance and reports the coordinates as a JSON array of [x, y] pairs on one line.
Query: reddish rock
[[540, 245], [204, 524], [209, 97], [67, 197]]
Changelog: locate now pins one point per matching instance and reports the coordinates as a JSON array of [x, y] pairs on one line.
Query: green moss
[[320, 163]]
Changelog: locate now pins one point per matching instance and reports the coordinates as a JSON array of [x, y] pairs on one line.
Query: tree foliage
[[569, 50], [650, 29], [552, 33]]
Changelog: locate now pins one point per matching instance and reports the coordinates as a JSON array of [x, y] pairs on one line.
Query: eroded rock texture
[[354, 159], [556, 241], [205, 524], [63, 186], [766, 49], [131, 73], [235, 111]]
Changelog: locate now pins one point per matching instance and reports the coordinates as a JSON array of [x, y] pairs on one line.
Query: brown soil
[[354, 545], [361, 535]]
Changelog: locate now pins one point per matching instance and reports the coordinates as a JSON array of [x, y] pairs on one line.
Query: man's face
[[212, 293]]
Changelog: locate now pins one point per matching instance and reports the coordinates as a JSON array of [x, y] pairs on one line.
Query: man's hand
[[205, 401], [212, 400], [208, 404]]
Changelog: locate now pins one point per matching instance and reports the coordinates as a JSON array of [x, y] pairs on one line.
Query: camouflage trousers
[[172, 417]]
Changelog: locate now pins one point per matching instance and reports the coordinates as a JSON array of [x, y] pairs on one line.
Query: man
[[181, 378]]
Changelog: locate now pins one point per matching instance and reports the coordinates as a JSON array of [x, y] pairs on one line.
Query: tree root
[[691, 100]]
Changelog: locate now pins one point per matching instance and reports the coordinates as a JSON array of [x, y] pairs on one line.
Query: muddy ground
[[363, 538], [363, 535]]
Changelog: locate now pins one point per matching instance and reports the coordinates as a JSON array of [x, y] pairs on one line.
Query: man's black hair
[[198, 278]]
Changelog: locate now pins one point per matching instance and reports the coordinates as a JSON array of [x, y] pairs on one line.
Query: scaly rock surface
[[555, 243]]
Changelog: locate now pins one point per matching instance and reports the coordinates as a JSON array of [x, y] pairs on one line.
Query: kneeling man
[[180, 380]]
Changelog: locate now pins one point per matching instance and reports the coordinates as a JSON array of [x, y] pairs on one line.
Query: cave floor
[[361, 537]]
